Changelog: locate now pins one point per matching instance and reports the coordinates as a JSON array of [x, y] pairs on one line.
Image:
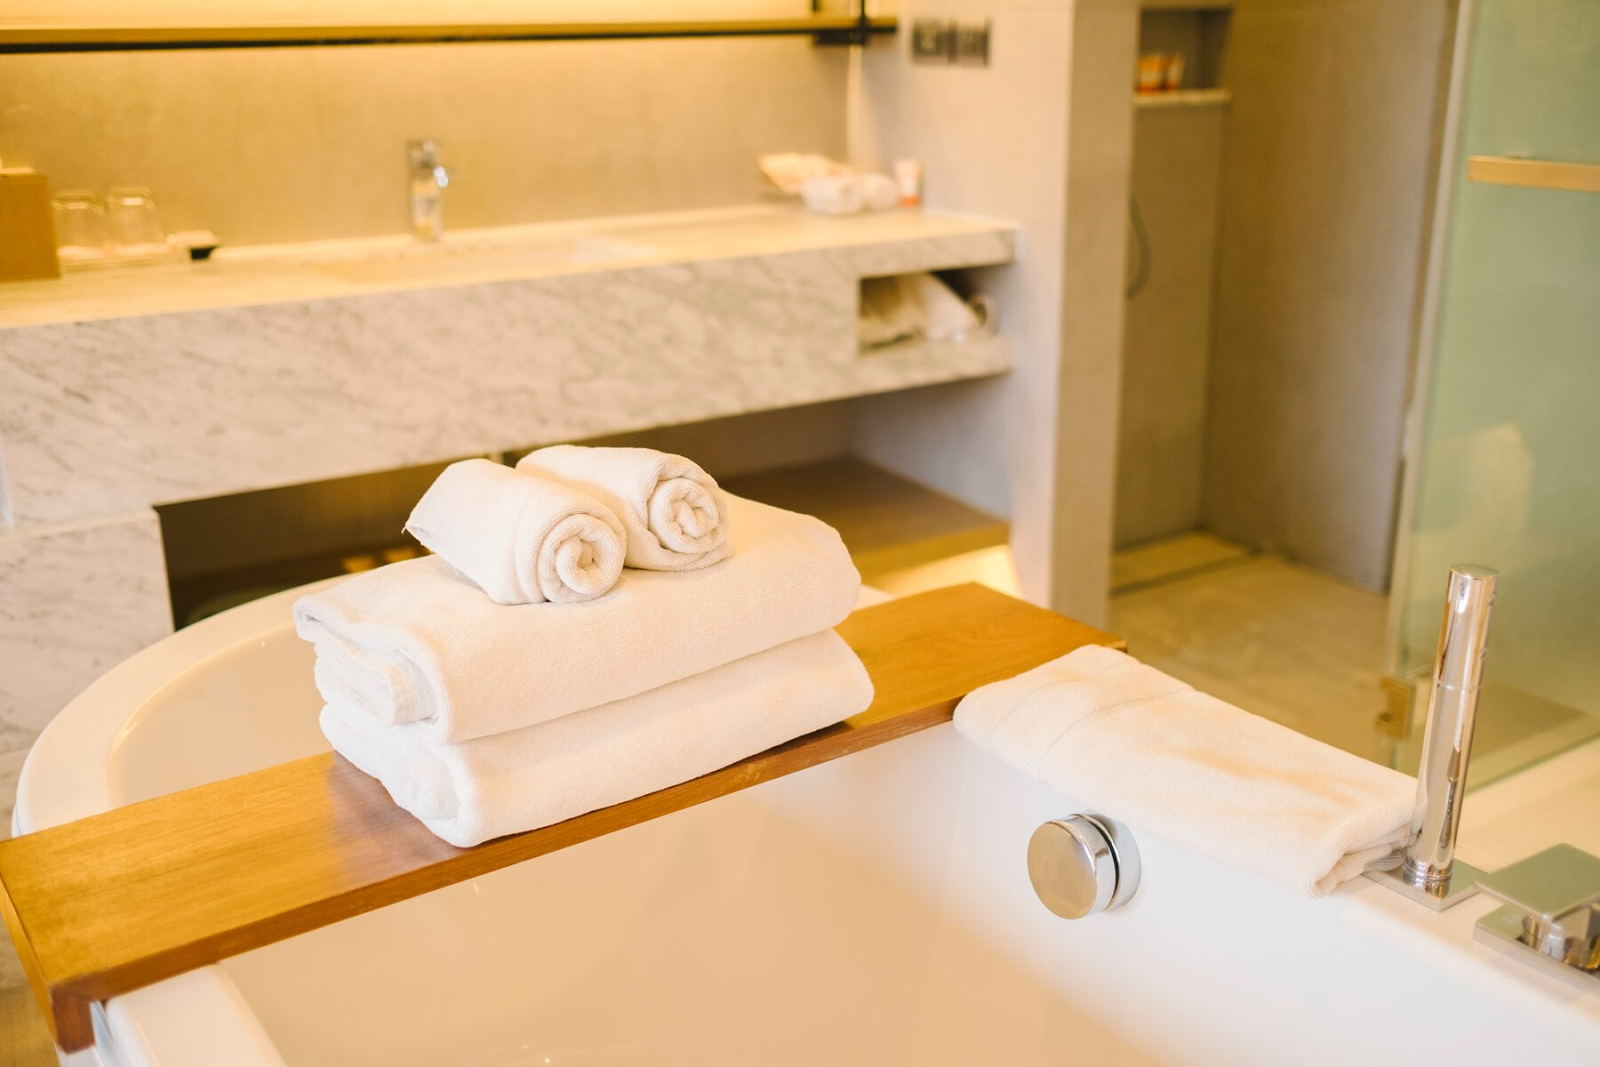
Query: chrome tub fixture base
[[1551, 916]]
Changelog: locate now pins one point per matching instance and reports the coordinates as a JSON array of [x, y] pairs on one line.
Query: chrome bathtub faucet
[[1428, 870], [1551, 912], [427, 182]]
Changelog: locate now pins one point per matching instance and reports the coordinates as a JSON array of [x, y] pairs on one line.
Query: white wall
[[1042, 136], [290, 144]]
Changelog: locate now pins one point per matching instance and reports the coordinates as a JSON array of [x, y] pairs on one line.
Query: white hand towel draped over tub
[[676, 517], [522, 539], [413, 641], [1148, 750], [521, 780]]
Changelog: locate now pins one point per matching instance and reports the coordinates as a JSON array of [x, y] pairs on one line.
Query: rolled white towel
[[415, 641], [523, 779], [879, 192], [832, 194], [1144, 748], [521, 538], [676, 517]]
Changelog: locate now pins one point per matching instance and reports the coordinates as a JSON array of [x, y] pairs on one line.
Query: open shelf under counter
[[887, 521]]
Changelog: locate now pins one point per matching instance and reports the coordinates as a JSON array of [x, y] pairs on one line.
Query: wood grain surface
[[117, 901], [27, 220]]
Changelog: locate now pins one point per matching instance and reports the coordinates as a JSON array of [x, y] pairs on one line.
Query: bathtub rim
[[68, 776], [80, 743]]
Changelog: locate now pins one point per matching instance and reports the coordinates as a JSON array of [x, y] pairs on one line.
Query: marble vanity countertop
[[247, 277], [128, 387]]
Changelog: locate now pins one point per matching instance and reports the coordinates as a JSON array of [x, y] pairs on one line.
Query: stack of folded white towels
[[596, 624]]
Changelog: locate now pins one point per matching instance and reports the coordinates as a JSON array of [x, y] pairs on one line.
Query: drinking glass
[[80, 225], [131, 217]]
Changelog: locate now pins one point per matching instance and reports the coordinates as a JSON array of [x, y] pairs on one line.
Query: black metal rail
[[824, 29]]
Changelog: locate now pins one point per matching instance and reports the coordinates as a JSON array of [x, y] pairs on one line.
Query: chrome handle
[[1428, 871], [1452, 715], [1534, 173], [1552, 909], [1083, 864]]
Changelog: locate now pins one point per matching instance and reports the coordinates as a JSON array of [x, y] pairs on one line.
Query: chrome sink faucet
[[1428, 870], [428, 179]]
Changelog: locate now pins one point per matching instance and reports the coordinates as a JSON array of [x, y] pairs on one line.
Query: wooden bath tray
[[117, 901]]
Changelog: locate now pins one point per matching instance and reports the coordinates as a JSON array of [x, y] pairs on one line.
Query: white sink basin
[[450, 258], [462, 256]]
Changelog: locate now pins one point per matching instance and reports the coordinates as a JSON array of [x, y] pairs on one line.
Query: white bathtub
[[874, 910]]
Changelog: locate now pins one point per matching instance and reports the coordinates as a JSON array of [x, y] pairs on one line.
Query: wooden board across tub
[[118, 901]]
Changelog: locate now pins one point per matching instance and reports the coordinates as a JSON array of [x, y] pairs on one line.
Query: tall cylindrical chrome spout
[[1447, 739]]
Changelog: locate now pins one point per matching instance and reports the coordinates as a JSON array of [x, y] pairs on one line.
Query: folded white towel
[[915, 305], [414, 641], [470, 792], [521, 538], [1148, 750], [676, 517]]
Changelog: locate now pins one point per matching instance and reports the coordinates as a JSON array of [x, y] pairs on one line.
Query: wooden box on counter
[[27, 228]]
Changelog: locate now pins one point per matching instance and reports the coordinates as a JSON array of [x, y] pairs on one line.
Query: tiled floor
[[24, 1039], [1306, 650], [1275, 638], [1172, 557], [1278, 639], [1284, 641]]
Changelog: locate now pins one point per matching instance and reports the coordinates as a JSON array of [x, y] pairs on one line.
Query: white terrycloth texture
[[470, 792], [414, 641], [523, 539], [1146, 749], [676, 517], [371, 678]]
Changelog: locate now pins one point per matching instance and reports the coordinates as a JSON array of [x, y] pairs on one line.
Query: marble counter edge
[[890, 243]]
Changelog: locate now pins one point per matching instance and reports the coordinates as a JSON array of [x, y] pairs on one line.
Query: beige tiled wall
[[1326, 185], [295, 144], [1167, 327]]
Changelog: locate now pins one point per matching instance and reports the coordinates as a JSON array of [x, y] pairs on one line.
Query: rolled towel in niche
[[675, 515], [905, 307], [520, 538], [828, 194]]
